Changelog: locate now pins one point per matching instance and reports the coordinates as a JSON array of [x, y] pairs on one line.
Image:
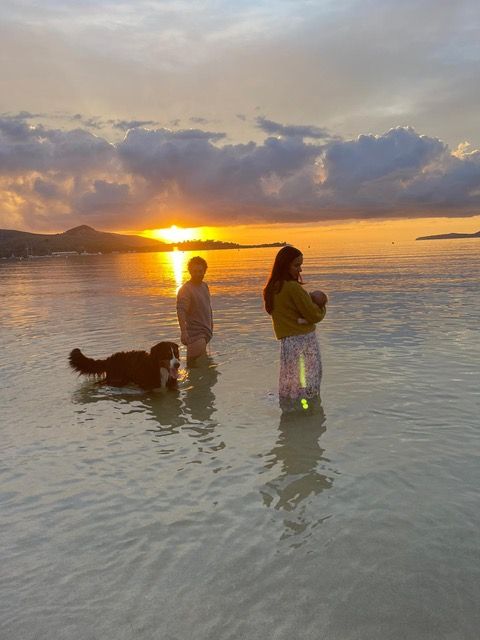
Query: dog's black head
[[167, 356]]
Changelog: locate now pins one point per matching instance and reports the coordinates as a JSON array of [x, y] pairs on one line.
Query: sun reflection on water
[[177, 259]]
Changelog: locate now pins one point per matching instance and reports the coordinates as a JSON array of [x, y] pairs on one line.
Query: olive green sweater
[[291, 303]]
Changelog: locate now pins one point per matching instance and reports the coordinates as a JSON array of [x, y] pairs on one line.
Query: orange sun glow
[[173, 234]]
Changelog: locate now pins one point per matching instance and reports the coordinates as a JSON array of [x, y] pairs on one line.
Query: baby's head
[[319, 298]]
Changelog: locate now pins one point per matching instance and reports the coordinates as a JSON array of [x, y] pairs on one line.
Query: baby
[[319, 298]]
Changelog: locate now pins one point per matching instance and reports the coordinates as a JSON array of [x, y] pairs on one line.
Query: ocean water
[[207, 513]]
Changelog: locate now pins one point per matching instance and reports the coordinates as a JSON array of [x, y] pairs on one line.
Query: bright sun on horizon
[[174, 234]]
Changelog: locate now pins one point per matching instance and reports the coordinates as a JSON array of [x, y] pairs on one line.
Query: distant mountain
[[85, 239], [79, 239], [450, 236]]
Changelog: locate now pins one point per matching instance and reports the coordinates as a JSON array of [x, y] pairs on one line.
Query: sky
[[139, 115]]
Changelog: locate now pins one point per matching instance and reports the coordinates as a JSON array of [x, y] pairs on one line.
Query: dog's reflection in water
[[92, 391], [163, 407], [164, 411], [192, 402], [190, 414], [300, 462]]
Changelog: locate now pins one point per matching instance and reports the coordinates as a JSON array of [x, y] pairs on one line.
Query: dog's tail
[[87, 366]]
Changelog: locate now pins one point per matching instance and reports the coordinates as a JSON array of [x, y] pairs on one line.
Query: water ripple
[[130, 514]]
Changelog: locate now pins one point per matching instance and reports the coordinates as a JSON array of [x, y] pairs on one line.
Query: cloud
[[400, 173], [302, 131], [26, 148], [225, 180], [103, 197], [368, 158], [21, 115], [198, 120], [125, 125], [52, 178], [47, 189], [14, 128], [341, 66], [93, 122]]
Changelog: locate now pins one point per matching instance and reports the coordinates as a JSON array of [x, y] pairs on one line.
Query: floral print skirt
[[300, 367]]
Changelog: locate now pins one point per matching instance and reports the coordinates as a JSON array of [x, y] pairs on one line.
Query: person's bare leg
[[196, 349]]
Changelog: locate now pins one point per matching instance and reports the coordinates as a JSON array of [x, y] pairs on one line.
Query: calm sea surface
[[206, 514]]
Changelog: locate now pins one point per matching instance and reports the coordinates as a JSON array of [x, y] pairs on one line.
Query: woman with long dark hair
[[287, 302]]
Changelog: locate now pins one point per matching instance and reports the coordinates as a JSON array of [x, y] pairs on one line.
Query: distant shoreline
[[170, 249], [85, 240], [450, 236]]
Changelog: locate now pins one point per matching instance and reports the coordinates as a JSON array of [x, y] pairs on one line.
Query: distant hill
[[85, 239], [450, 236], [80, 239]]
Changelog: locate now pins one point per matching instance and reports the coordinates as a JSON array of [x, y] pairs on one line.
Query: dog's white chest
[[163, 377]]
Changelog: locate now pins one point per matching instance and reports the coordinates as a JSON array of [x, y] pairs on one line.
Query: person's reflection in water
[[198, 406], [198, 397], [298, 456]]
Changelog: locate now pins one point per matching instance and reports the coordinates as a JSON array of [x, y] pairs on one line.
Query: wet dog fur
[[153, 370]]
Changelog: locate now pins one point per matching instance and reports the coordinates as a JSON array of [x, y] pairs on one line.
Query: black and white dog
[[157, 369]]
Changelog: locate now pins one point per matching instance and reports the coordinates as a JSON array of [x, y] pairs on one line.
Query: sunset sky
[[134, 116]]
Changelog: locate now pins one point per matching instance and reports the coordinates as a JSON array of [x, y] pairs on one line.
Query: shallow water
[[207, 513]]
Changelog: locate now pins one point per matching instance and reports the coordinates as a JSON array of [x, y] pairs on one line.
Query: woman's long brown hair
[[280, 273]]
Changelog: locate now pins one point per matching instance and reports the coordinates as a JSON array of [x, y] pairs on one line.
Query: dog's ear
[[176, 350], [158, 351]]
